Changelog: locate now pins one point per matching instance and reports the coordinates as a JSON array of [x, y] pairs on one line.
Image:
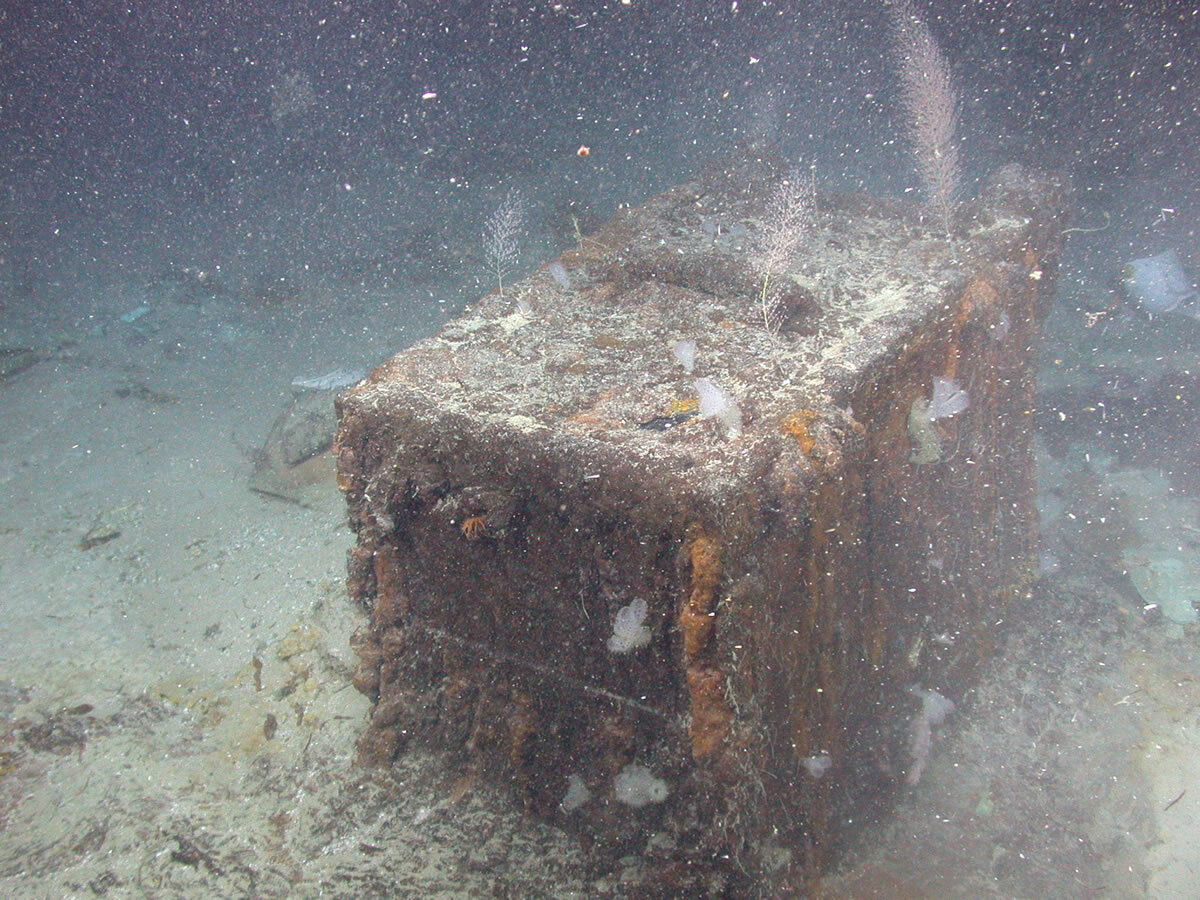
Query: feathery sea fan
[[930, 103]]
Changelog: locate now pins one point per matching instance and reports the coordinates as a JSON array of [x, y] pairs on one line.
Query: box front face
[[519, 624]]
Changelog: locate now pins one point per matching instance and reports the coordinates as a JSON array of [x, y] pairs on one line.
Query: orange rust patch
[[474, 528], [799, 425], [601, 293], [710, 714], [591, 421], [606, 341], [710, 711], [696, 614], [978, 295], [390, 600]]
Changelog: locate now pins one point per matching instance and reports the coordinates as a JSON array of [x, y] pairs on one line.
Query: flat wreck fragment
[[648, 621]]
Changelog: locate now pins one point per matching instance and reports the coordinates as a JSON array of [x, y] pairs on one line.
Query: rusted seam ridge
[[549, 673]]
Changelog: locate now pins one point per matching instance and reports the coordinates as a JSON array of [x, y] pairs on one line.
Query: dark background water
[[267, 137]]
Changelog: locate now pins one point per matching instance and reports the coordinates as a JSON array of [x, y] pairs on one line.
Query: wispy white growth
[[685, 354], [292, 95], [817, 765], [636, 786], [501, 235], [629, 632], [930, 104], [558, 272], [948, 399], [1001, 327], [934, 709], [790, 215], [577, 794], [715, 403]]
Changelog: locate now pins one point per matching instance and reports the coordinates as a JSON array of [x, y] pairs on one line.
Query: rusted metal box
[[651, 621]]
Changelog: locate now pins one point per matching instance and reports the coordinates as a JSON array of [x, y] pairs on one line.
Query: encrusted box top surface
[[586, 346]]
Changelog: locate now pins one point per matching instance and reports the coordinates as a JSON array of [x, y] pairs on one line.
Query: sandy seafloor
[[176, 718]]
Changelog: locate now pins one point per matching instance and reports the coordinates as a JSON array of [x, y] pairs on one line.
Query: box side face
[[893, 585]]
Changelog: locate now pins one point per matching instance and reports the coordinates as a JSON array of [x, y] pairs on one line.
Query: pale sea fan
[[930, 103], [789, 217], [501, 236]]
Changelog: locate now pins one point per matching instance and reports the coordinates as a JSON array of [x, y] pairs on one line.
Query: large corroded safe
[[652, 621]]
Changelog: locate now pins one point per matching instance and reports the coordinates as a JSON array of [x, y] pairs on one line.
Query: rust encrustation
[[709, 705]]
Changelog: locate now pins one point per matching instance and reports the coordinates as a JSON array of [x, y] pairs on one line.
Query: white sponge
[[636, 786]]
